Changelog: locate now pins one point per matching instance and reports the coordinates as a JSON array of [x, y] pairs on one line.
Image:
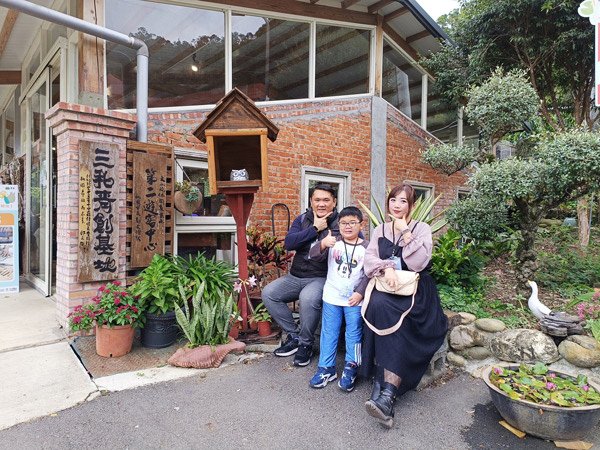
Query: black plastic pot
[[160, 330]]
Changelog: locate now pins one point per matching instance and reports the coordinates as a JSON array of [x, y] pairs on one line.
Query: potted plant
[[115, 312], [206, 323], [543, 402], [156, 286], [267, 258], [236, 321], [187, 197], [263, 319]]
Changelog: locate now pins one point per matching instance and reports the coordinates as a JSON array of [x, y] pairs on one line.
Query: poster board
[[9, 238]]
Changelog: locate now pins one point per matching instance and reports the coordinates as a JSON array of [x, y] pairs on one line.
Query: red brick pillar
[[70, 124]]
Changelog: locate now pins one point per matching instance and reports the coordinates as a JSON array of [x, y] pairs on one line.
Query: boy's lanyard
[[349, 261]]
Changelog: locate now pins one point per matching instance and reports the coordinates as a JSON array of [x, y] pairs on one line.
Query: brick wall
[[405, 141], [329, 134]]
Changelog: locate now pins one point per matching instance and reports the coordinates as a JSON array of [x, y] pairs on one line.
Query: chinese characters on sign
[[149, 200], [98, 211]]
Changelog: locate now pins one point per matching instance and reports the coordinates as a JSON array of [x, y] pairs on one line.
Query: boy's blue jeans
[[330, 332]]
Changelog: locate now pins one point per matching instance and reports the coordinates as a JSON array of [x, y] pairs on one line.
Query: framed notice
[[98, 236], [9, 238], [149, 203]]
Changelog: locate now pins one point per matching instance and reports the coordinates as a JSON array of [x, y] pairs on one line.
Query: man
[[306, 278]]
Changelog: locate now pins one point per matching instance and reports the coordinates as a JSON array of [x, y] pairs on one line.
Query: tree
[[546, 38], [555, 168]]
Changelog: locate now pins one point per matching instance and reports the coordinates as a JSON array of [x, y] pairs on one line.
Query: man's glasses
[[349, 224]]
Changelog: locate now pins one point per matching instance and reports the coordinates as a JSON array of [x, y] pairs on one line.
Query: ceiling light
[[194, 68]]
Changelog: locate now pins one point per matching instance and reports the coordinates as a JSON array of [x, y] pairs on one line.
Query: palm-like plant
[[421, 212]]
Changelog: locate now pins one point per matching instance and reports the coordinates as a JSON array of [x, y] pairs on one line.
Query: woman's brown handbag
[[408, 282]]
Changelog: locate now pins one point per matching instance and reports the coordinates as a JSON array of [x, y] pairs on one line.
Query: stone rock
[[467, 318], [490, 325], [581, 351], [523, 345], [454, 319], [205, 356], [465, 336], [456, 360], [475, 353]]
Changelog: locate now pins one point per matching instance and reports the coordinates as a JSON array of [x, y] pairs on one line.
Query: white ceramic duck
[[537, 308]]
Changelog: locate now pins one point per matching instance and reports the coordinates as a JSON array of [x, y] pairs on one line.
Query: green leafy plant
[[421, 212], [260, 314], [156, 285], [198, 269], [460, 299], [205, 320], [112, 306], [191, 192], [447, 159], [457, 262], [266, 256], [540, 385]]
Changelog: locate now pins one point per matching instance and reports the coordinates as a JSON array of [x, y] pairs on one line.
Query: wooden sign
[[149, 203], [98, 254]]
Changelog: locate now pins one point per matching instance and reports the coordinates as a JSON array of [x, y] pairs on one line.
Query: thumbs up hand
[[328, 241]]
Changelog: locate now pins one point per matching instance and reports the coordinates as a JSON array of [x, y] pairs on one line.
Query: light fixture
[[194, 68]]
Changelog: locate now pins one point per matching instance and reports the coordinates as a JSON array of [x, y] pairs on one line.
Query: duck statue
[[553, 323]]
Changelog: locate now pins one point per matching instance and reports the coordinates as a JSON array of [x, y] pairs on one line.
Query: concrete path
[[39, 372], [267, 403]]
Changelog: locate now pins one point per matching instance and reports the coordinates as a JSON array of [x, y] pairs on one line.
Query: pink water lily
[[497, 371], [585, 388], [550, 386]]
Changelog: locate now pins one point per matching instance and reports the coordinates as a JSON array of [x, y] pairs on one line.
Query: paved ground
[[267, 403]]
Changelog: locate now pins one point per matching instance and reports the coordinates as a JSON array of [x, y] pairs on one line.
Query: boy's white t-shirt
[[344, 269]]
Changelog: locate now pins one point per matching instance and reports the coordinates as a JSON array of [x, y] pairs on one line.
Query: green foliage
[[501, 104], [448, 158], [421, 212], [191, 192], [208, 320], [540, 385], [460, 299], [260, 314], [457, 263], [594, 326], [478, 217], [195, 270], [156, 285]]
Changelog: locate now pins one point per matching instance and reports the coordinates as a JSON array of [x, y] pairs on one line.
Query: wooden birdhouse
[[236, 134]]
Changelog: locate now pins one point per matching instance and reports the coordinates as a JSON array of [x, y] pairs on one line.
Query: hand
[[400, 224], [328, 241], [390, 278], [355, 299], [321, 222]]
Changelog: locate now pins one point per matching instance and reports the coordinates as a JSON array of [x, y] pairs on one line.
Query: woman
[[397, 361]]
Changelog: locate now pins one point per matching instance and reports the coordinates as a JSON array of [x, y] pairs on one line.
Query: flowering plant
[[590, 312], [111, 306], [540, 385]]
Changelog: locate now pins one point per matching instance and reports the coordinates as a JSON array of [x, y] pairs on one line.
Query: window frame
[[310, 173]]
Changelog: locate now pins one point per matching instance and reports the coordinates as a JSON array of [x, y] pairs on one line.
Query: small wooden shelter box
[[236, 134]]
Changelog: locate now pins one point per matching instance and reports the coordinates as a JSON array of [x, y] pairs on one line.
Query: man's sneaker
[[323, 376], [303, 355], [346, 383], [289, 347]]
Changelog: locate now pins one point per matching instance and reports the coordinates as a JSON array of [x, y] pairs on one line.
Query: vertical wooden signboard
[[149, 201], [98, 254]]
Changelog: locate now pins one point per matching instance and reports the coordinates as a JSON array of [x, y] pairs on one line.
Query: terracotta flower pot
[[253, 325], [235, 331], [264, 328], [183, 206], [114, 342]]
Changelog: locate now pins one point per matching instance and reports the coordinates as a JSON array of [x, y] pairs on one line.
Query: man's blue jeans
[[288, 288], [330, 333]]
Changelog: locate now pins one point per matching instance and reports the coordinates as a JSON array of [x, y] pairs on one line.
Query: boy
[[342, 295]]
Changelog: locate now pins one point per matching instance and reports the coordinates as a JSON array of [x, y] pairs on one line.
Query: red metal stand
[[240, 199]]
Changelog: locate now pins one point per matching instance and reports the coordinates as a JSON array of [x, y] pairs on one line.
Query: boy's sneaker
[[346, 383], [303, 355], [289, 347], [323, 376]]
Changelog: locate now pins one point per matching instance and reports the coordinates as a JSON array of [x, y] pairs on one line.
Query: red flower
[[123, 293], [102, 288], [117, 283], [117, 301], [77, 319], [135, 310]]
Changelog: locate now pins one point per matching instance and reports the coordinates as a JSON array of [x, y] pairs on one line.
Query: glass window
[[33, 65], [442, 119], [9, 131], [187, 54], [342, 61], [219, 245], [462, 193], [401, 83], [423, 190], [270, 57], [339, 182]]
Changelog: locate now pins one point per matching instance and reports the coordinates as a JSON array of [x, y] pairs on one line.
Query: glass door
[[38, 210]]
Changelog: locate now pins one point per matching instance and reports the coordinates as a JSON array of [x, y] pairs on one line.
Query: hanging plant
[[187, 197]]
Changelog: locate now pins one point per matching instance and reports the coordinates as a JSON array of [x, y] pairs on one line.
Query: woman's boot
[[376, 389], [382, 408]]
